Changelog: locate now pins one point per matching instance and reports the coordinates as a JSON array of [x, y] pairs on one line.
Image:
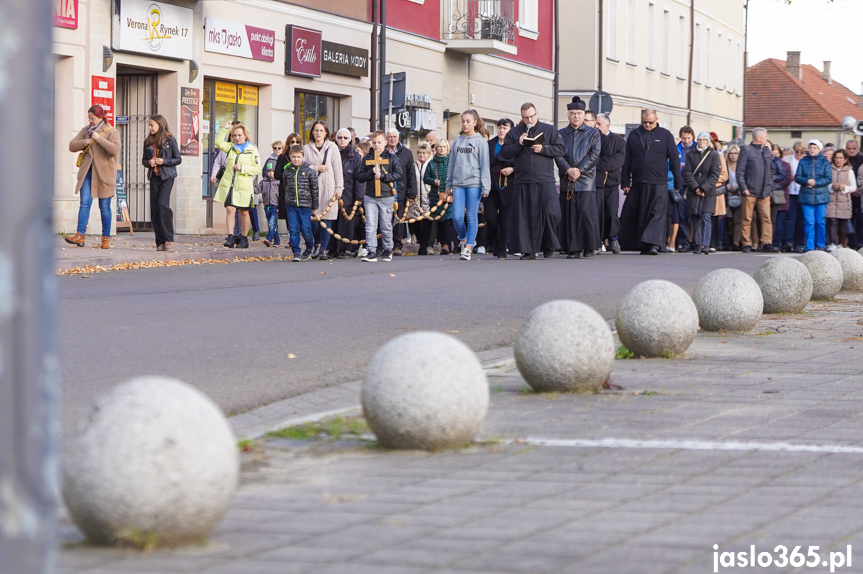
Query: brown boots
[[105, 244], [76, 239]]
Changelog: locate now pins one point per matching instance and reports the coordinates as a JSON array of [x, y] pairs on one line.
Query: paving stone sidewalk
[[747, 440]]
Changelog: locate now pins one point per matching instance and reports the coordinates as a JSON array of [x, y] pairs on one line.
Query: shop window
[[315, 107]]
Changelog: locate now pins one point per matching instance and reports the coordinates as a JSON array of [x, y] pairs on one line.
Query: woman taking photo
[[98, 145], [236, 188], [469, 179], [161, 158], [324, 157]]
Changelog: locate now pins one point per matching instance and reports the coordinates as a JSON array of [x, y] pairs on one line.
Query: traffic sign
[[601, 102]]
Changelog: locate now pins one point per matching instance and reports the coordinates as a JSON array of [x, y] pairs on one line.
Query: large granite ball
[[826, 273], [426, 391], [564, 346], [657, 319], [728, 300], [151, 460], [852, 269], [785, 285]]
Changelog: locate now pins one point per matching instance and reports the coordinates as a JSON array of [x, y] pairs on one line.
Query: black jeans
[[399, 230], [497, 223], [160, 209]]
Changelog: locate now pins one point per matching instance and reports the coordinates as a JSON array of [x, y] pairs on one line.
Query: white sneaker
[[480, 250], [602, 248], [388, 255], [465, 253], [670, 249], [831, 248], [362, 252]]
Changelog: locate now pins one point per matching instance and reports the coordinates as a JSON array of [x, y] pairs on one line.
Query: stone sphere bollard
[[153, 460], [826, 273], [425, 391], [657, 319], [564, 346], [785, 285], [852, 269], [728, 300]]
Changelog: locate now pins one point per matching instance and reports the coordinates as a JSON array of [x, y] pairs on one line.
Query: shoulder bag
[[80, 159]]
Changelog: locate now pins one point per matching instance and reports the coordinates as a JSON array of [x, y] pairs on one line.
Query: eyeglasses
[[648, 123], [343, 137], [528, 118], [277, 147]]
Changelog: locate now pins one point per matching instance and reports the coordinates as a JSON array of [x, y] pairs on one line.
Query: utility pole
[[373, 72], [29, 381], [691, 58], [556, 88], [382, 70]]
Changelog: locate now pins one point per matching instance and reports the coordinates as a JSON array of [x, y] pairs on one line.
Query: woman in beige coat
[[839, 209], [99, 144], [323, 155]]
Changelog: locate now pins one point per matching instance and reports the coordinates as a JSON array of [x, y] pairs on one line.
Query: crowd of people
[[529, 190]]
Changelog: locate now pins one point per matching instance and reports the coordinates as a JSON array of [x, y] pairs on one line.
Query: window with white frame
[[528, 15], [707, 57], [729, 83], [651, 33], [631, 32], [737, 67], [681, 47], [611, 33], [696, 55], [666, 34], [719, 69]]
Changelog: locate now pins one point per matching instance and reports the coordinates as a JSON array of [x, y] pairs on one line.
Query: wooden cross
[[378, 161]]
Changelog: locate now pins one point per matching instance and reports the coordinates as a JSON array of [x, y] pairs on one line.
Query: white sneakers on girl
[[465, 252]]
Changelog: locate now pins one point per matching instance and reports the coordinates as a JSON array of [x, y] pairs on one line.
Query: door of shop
[[136, 99], [224, 102]]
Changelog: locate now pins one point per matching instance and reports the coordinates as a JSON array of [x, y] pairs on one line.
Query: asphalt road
[[230, 329]]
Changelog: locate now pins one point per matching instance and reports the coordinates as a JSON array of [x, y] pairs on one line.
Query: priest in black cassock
[[650, 153], [535, 210], [578, 230]]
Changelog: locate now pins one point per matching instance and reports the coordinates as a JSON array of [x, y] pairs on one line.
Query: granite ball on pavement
[[152, 459], [785, 285], [657, 319], [425, 391], [728, 300], [852, 269], [826, 273], [564, 346]]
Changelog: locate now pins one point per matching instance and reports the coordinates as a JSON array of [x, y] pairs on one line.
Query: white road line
[[691, 445]]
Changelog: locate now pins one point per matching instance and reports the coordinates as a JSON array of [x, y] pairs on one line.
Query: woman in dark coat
[[353, 191], [496, 204], [700, 174], [161, 157]]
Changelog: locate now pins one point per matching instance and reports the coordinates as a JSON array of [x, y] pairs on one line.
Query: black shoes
[[696, 251], [243, 242], [653, 250], [548, 253], [615, 247], [588, 254], [746, 249], [341, 255], [229, 241], [574, 255], [770, 248], [528, 256]]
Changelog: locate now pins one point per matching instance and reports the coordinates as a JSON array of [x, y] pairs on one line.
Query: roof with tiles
[[776, 99]]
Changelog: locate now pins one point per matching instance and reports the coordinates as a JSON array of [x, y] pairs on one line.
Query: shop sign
[[345, 60], [102, 93], [240, 40], [190, 137], [226, 92], [303, 51], [403, 120], [66, 14], [154, 28], [247, 95]]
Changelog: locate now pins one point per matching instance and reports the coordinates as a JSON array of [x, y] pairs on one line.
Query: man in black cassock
[[650, 153], [535, 210], [611, 156], [578, 230]]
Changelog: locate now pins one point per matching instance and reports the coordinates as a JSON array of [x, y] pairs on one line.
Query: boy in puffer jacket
[[301, 196], [268, 187]]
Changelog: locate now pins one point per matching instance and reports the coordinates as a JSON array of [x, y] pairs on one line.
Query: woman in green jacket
[[435, 177], [236, 188]]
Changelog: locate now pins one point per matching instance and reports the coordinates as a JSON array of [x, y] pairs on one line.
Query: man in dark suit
[[611, 157]]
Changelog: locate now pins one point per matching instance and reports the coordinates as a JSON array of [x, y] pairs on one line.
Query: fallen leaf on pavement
[[292, 356], [392, 274]]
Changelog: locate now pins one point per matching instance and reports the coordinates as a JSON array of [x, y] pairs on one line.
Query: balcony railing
[[480, 20]]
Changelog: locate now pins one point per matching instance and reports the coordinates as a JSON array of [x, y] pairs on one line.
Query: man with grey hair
[[611, 156], [431, 139], [755, 181], [408, 189]]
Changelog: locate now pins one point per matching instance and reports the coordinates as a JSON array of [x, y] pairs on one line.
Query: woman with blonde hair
[[236, 188]]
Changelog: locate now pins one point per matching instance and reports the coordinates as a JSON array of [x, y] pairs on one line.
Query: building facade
[[796, 101], [640, 53], [279, 66]]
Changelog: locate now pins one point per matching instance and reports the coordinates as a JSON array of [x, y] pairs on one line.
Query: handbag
[[80, 159], [734, 201]]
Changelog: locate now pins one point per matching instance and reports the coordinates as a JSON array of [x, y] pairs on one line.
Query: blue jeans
[[84, 209], [702, 228], [379, 208], [466, 197], [322, 236], [273, 224], [816, 226], [300, 223]]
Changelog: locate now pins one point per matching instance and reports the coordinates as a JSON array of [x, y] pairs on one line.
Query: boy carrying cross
[[381, 173]]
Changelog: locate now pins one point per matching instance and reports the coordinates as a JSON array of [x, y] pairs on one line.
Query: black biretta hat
[[577, 104]]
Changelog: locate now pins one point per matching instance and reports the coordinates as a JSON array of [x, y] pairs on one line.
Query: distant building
[[644, 60], [797, 101]]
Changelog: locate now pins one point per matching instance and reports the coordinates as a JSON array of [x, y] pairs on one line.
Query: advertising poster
[[65, 14], [154, 28], [103, 95], [240, 40], [190, 126]]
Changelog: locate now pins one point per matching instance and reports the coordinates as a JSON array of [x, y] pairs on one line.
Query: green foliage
[[624, 353], [334, 428]]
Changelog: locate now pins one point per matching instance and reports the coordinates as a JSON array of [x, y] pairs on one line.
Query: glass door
[[313, 107]]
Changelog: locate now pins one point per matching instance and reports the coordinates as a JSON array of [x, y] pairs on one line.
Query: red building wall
[[539, 52], [421, 19]]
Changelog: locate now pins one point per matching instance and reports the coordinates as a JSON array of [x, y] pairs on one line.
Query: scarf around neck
[[97, 128], [242, 148]]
